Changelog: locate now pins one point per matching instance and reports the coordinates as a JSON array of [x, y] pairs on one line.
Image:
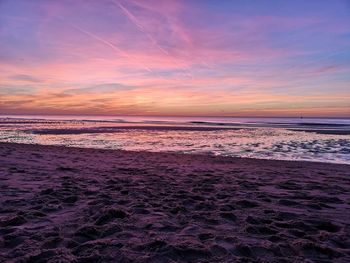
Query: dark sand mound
[[83, 205], [115, 129]]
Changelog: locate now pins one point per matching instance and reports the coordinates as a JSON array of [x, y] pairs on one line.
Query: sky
[[175, 58]]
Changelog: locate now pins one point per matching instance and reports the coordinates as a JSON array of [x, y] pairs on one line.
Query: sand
[[325, 131], [62, 204], [115, 129]]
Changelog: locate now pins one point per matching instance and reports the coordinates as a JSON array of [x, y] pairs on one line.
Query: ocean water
[[264, 138]]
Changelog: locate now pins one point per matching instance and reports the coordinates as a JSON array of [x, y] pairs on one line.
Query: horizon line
[[181, 116]]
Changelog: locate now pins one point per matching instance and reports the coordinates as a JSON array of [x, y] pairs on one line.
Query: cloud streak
[[108, 43], [139, 25]]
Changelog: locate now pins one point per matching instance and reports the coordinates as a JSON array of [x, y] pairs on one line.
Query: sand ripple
[[85, 205]]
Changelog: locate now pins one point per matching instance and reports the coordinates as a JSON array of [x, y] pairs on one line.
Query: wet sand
[[62, 204], [113, 129], [325, 131]]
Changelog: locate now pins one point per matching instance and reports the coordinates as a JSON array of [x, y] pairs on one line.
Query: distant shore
[[90, 205], [114, 129]]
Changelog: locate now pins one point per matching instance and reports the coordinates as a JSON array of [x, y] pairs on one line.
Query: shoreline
[[115, 129], [81, 204], [174, 153]]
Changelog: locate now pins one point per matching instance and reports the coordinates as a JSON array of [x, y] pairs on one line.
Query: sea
[[302, 139]]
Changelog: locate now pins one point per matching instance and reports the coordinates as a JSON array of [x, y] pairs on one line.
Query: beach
[[61, 204], [174, 131], [316, 140]]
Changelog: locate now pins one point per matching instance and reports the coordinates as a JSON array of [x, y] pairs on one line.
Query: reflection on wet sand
[[280, 141]]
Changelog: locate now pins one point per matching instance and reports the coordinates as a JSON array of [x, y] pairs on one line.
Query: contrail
[[99, 39], [136, 22], [111, 45]]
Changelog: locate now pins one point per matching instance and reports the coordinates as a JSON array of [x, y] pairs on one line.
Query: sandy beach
[[63, 204]]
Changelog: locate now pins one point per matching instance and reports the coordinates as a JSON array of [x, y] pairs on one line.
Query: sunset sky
[[164, 57]]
